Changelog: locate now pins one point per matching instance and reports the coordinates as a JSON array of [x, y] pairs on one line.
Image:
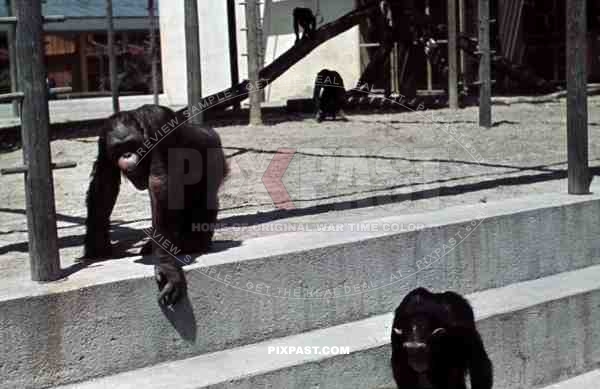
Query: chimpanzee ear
[[397, 331], [438, 331]]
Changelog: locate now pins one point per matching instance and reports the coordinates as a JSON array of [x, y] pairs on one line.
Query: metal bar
[[577, 110], [25, 169], [46, 19], [253, 61], [233, 49], [112, 59], [39, 185], [153, 51], [12, 57], [485, 66], [192, 55], [452, 56]]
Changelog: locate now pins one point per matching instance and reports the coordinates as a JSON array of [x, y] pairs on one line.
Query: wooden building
[[76, 52]]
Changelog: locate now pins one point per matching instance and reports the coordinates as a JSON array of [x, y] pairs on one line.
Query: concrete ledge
[[105, 319], [536, 332], [589, 380]]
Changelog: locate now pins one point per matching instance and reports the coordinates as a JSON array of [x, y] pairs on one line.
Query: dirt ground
[[370, 166]]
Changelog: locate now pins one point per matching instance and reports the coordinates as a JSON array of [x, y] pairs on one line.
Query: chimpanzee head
[[418, 327], [124, 137]]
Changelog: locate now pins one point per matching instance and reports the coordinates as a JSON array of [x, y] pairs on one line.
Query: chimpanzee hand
[[171, 283]]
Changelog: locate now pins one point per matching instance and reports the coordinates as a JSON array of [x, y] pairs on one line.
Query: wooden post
[[83, 65], [192, 55], [39, 185], [253, 61], [112, 60], [233, 49], [462, 27], [452, 56], [577, 113], [153, 59], [12, 56], [485, 66]]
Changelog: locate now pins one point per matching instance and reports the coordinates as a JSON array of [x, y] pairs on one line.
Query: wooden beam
[[39, 185], [253, 37], [485, 66], [577, 112], [192, 55], [452, 56], [233, 48], [112, 59]]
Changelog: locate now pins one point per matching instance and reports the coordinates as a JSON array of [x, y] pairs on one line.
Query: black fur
[[129, 132], [444, 356], [304, 17], [329, 94]]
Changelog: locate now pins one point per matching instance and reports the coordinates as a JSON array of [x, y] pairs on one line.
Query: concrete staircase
[[530, 267]]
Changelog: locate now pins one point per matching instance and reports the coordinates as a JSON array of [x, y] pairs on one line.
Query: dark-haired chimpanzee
[[329, 94], [151, 146], [304, 17], [435, 342]]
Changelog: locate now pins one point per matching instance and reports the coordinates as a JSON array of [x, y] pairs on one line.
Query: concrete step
[[589, 380], [536, 332], [105, 319]]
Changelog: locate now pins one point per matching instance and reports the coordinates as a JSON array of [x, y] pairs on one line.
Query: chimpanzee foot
[[171, 283]]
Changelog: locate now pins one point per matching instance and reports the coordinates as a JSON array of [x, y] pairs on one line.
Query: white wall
[[340, 53]]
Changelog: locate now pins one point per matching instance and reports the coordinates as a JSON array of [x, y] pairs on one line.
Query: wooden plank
[[577, 111], [14, 96], [39, 185], [485, 66], [83, 64], [253, 61], [192, 55], [233, 48], [112, 59], [452, 56]]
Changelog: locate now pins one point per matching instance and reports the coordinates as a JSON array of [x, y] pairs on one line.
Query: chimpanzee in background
[[304, 17], [143, 145], [435, 342], [329, 94]]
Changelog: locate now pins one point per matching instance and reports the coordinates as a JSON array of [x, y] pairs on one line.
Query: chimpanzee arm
[[169, 276], [101, 197], [317, 91], [480, 366], [297, 25]]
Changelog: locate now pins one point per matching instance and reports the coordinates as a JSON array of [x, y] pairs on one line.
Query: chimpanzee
[[304, 17], [435, 342], [146, 146], [329, 94]]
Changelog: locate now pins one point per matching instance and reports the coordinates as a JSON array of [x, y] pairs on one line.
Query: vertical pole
[[452, 56], [192, 55], [577, 113], [112, 60], [233, 49], [461, 30], [12, 56], [153, 59], [85, 85], [39, 185], [485, 66], [253, 61], [429, 70]]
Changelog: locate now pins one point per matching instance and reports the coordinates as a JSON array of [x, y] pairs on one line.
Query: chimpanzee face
[[122, 141], [416, 335]]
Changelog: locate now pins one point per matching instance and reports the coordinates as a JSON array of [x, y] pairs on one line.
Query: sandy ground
[[370, 166]]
